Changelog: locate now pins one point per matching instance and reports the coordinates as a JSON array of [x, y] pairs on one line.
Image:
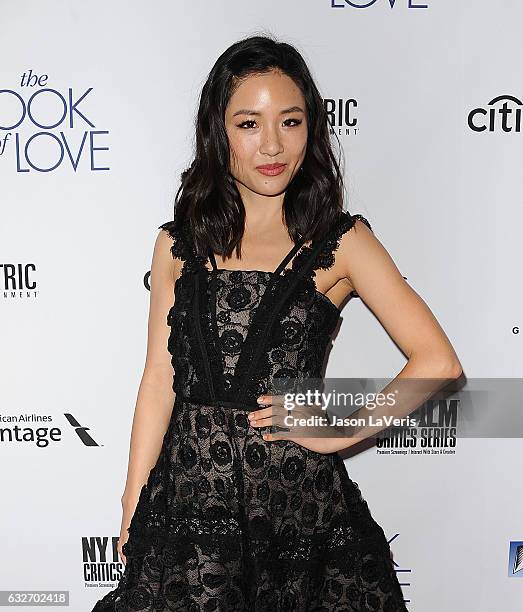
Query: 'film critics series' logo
[[18, 280], [42, 128], [101, 562], [502, 114], [363, 4], [22, 428], [435, 432]]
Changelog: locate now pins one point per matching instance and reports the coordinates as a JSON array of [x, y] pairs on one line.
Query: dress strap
[[289, 256], [320, 254], [279, 269]]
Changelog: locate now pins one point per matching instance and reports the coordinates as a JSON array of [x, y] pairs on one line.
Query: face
[[266, 125]]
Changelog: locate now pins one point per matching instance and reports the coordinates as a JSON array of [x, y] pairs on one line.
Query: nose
[[271, 142]]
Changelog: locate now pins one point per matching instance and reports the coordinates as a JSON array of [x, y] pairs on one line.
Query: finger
[[273, 400], [262, 422], [271, 437], [272, 420], [259, 414]]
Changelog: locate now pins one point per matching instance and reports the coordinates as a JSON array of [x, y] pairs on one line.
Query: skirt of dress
[[229, 522]]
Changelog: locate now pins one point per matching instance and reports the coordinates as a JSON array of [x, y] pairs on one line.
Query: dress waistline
[[244, 405]]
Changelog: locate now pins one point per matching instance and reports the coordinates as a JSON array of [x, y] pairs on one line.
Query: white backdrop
[[77, 232]]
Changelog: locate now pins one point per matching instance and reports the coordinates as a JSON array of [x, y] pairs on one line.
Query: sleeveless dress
[[229, 522]]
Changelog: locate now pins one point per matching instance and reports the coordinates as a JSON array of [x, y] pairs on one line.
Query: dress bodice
[[234, 331]]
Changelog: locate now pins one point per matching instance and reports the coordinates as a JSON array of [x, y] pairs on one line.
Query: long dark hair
[[208, 199]]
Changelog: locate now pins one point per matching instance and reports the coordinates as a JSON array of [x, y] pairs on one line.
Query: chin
[[265, 186], [271, 186], [271, 191]]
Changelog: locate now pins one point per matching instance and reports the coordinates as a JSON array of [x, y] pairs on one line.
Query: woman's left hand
[[310, 434]]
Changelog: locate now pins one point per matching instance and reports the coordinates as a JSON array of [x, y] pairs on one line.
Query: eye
[[249, 121]]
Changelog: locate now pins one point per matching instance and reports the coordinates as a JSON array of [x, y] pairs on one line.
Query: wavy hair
[[208, 198]]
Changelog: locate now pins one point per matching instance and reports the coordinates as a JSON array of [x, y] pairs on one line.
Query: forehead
[[265, 92]]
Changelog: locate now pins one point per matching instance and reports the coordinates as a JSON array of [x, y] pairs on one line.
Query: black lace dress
[[227, 521]]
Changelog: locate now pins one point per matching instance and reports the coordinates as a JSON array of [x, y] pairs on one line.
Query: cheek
[[298, 143], [242, 148]]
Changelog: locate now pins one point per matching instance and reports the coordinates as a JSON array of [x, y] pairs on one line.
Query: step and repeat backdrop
[[97, 107]]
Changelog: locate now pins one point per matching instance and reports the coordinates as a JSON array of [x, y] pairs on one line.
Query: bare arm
[[402, 312], [155, 395], [432, 361]]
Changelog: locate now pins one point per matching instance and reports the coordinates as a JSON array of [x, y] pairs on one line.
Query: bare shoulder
[[361, 255]]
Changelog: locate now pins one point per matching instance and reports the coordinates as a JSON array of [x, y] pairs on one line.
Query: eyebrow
[[291, 109]]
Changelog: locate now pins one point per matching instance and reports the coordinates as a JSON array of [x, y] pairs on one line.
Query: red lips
[[269, 166]]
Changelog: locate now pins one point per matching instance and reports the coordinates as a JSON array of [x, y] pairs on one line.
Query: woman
[[216, 514]]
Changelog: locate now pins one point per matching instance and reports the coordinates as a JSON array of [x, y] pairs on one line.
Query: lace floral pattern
[[228, 521]]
